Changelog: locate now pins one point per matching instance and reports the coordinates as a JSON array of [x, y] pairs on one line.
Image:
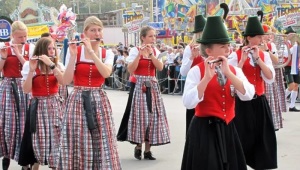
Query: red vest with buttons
[[44, 85], [197, 60], [253, 73], [145, 67], [86, 73], [13, 67], [217, 100]]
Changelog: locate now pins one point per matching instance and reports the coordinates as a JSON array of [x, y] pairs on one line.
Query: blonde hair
[[18, 25], [92, 20]]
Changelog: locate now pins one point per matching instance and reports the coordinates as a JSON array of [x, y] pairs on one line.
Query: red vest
[[253, 73], [197, 60], [44, 85], [87, 74], [145, 67], [217, 100], [12, 67]]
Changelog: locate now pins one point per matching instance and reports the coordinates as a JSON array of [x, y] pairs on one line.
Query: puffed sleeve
[[268, 62], [190, 94], [109, 58], [249, 88], [186, 62], [233, 59], [132, 54], [25, 70]]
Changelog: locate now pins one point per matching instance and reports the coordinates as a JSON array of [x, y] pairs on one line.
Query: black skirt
[[211, 144], [26, 156], [254, 125], [123, 129]]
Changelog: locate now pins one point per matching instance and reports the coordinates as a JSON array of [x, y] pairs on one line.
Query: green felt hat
[[288, 30], [253, 27], [214, 31], [199, 23]]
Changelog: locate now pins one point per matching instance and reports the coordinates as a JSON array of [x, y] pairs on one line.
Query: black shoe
[[148, 155], [5, 163], [137, 153], [294, 109]]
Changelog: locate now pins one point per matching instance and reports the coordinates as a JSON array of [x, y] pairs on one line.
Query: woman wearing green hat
[[191, 57], [212, 142], [253, 118]]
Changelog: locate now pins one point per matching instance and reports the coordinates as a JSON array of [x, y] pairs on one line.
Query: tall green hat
[[288, 30], [253, 27], [199, 23], [214, 31]]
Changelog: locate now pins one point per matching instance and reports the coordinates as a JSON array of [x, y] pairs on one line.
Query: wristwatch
[[267, 50], [52, 66]]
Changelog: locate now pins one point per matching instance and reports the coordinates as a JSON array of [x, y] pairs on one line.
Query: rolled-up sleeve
[[249, 88], [232, 59], [268, 62], [190, 94], [186, 62], [25, 70]]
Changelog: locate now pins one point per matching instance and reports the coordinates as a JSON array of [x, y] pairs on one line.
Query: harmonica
[[9, 46], [214, 61], [248, 49], [75, 42]]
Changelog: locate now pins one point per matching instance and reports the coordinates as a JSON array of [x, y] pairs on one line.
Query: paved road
[[169, 156]]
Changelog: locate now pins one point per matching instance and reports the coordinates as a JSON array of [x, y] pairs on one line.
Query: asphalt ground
[[169, 156]]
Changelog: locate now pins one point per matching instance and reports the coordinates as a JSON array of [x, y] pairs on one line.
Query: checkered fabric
[[12, 123], [82, 148], [143, 125]]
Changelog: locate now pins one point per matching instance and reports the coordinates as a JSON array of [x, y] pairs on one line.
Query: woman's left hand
[[45, 59]]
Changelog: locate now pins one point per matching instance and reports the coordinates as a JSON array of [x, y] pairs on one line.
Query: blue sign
[[5, 29]]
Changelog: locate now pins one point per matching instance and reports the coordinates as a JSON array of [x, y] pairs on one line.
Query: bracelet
[[2, 58], [257, 59], [52, 66], [267, 50], [150, 55]]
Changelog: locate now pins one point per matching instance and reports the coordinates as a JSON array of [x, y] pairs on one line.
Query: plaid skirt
[[276, 100], [45, 141], [82, 148], [143, 125], [63, 92], [12, 123]]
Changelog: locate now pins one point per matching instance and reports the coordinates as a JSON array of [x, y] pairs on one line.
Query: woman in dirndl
[[275, 91], [88, 139], [145, 119], [13, 100], [253, 118], [212, 142], [41, 75]]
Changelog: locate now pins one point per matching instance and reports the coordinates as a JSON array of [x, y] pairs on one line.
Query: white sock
[[287, 93], [293, 98]]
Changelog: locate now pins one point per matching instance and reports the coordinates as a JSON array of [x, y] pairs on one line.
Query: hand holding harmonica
[[75, 42], [215, 61]]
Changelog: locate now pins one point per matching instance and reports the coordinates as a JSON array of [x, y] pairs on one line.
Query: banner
[[37, 31]]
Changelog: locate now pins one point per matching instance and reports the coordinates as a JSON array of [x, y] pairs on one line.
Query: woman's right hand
[[33, 63], [245, 52], [209, 68], [195, 49], [3, 52], [73, 49]]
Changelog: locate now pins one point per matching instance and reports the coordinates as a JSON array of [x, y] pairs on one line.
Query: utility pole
[[151, 10]]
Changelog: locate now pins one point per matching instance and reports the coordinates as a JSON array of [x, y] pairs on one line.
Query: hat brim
[[197, 31], [254, 34], [214, 41]]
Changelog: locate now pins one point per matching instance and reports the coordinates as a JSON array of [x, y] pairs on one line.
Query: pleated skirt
[[45, 141], [253, 121], [204, 150], [12, 123], [82, 148], [142, 124]]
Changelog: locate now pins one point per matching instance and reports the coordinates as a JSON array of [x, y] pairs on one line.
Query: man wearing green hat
[[210, 88], [191, 57], [253, 118], [291, 71]]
